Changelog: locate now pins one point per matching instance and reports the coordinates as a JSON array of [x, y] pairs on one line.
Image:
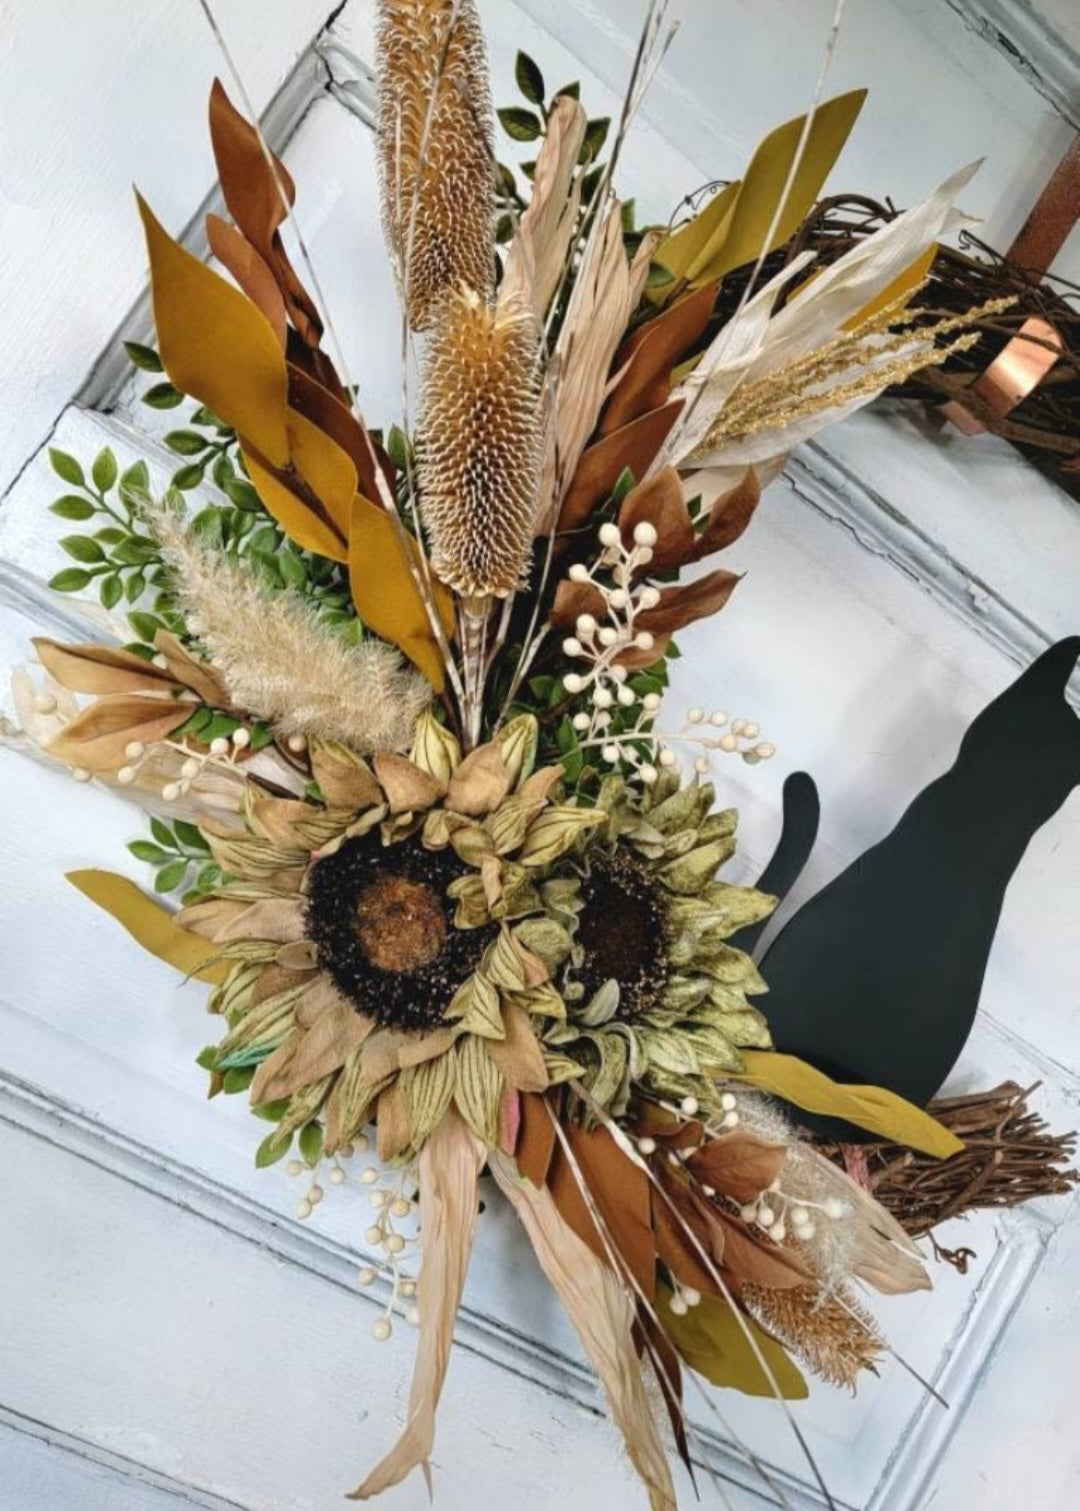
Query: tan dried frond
[[278, 661], [832, 1335], [436, 154], [480, 444]]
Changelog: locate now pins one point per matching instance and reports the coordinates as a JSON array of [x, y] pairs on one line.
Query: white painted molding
[[1033, 47]]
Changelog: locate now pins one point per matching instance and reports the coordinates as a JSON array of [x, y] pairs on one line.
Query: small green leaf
[[595, 137], [272, 1112], [529, 79], [520, 124], [206, 1059], [186, 478], [136, 551], [104, 470], [111, 590], [145, 625], [658, 275], [242, 494], [65, 466], [191, 835], [573, 90], [71, 506], [311, 1143], [134, 587], [397, 446], [199, 721], [261, 737], [144, 357], [162, 833], [170, 876], [237, 1079], [134, 482], [82, 547], [272, 1148], [623, 483], [504, 230], [163, 396], [153, 855], [71, 580], [186, 442]]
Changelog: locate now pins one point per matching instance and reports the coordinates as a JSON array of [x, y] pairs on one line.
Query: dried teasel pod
[[480, 444], [436, 155]]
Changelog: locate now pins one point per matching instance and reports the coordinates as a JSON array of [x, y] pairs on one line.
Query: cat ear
[[801, 814]]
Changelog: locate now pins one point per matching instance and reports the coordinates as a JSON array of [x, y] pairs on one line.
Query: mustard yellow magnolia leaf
[[149, 924], [736, 233], [286, 496], [904, 287], [714, 1342], [871, 1107], [215, 345], [385, 594], [691, 242]]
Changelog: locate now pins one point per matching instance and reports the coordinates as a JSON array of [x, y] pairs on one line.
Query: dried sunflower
[[656, 997], [383, 961]]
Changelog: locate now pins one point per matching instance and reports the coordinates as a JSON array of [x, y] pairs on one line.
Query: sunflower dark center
[[383, 928], [621, 932]]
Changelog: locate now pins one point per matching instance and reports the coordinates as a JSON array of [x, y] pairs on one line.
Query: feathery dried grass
[[480, 444], [436, 154], [278, 661], [834, 1336]]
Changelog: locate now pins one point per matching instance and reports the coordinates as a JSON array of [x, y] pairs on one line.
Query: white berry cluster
[[598, 643]]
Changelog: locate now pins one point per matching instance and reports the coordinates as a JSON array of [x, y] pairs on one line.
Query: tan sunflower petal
[[275, 979], [208, 918], [297, 955], [278, 919], [321, 996], [322, 1049], [476, 1004], [272, 1067], [348, 1107], [345, 780], [407, 788], [429, 1090], [478, 1087], [392, 1122], [481, 782]]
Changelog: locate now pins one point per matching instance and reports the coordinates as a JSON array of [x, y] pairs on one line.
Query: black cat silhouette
[[877, 978]]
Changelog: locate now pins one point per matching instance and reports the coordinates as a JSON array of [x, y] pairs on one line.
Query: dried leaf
[[729, 516], [215, 345], [386, 596], [149, 924], [450, 1164], [518, 1056], [738, 1165], [602, 1313], [871, 1107], [633, 448], [255, 277], [97, 739], [101, 669], [715, 1343], [682, 605], [659, 502], [537, 254], [652, 352]]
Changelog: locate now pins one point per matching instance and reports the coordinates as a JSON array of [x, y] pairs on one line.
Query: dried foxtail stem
[[436, 156], [278, 661], [834, 1336]]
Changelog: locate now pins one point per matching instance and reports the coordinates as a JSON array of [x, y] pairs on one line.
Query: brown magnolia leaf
[[519, 1056], [407, 788], [676, 1248], [536, 1139], [619, 1189], [100, 669], [215, 345], [682, 605], [650, 354], [252, 273], [480, 783], [96, 740], [633, 446], [737, 1165], [659, 502], [729, 516], [252, 190], [573, 599]]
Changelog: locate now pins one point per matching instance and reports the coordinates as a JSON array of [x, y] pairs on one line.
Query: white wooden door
[[170, 1335]]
